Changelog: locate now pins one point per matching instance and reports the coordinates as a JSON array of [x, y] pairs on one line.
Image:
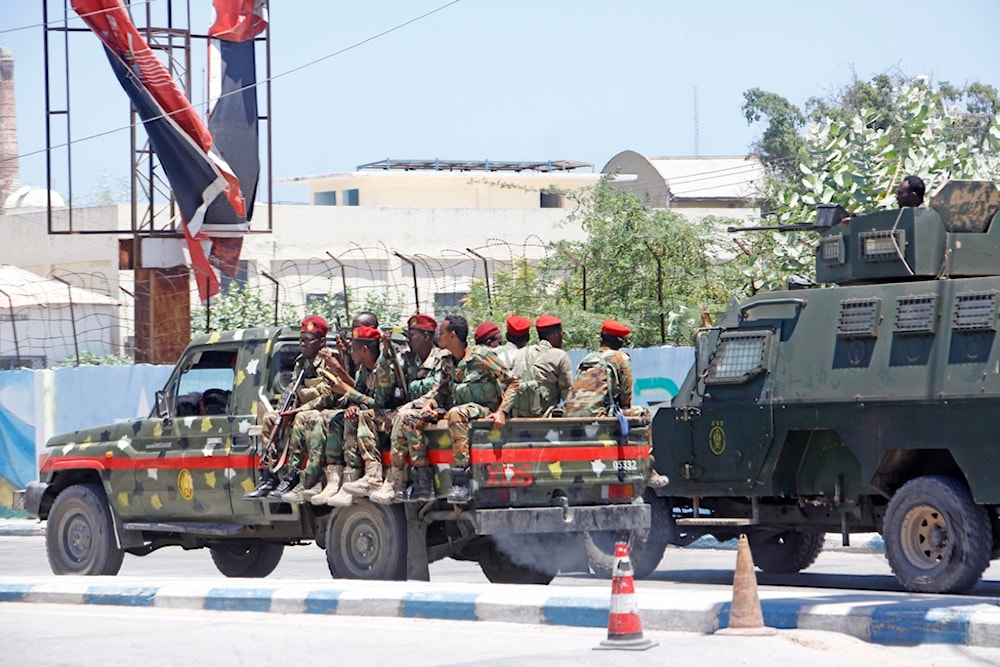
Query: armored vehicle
[[867, 405], [178, 477]]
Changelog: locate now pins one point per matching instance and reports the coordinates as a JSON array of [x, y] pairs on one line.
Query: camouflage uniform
[[507, 352], [587, 401], [549, 367], [313, 388], [469, 388], [355, 442], [420, 375]]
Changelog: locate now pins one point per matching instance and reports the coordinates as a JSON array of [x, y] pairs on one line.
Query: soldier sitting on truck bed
[[369, 402], [518, 332], [603, 385], [314, 353], [473, 384], [543, 370], [422, 361]]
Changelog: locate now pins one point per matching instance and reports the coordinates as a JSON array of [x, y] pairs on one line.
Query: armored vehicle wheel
[[785, 551], [247, 559], [937, 539], [645, 549], [367, 541], [80, 534], [500, 569]]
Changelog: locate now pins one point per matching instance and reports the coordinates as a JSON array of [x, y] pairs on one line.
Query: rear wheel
[[500, 568], [247, 559], [937, 540], [367, 541], [645, 548], [80, 533], [785, 551]]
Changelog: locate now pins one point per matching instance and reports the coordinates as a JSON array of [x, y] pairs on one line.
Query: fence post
[[72, 317], [13, 327], [486, 272], [277, 285], [413, 267], [343, 282]]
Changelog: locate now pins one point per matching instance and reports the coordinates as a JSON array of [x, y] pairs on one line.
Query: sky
[[503, 79]]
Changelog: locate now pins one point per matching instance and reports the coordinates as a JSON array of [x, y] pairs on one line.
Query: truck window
[[204, 386]]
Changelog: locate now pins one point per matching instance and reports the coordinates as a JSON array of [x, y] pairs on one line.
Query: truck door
[[734, 428], [182, 457]]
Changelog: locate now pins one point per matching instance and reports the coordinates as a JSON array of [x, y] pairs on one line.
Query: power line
[[247, 87], [73, 18]]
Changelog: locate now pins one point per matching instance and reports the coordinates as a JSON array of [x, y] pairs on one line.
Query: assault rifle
[[402, 389], [288, 402]]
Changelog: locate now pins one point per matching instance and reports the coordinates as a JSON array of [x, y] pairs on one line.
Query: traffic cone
[[745, 615], [624, 626]]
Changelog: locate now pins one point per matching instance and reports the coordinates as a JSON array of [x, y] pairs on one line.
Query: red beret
[[423, 322], [615, 328], [546, 321], [486, 330], [315, 324], [367, 333], [517, 325]]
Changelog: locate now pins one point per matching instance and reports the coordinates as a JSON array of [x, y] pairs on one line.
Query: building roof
[[716, 177], [20, 289], [438, 164]]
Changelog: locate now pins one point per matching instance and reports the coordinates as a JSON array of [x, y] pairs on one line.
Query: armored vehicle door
[[731, 423], [183, 450]]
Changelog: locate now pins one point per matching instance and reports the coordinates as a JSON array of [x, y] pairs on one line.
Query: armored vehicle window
[[739, 357], [858, 318], [206, 383], [916, 314], [976, 311]]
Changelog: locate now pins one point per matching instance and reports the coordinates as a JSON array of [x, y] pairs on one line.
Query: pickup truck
[[178, 476]]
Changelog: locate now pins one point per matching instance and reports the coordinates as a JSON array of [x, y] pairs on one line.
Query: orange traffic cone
[[624, 626], [745, 615]]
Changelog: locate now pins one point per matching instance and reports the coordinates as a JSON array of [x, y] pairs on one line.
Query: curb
[[22, 527], [881, 618]]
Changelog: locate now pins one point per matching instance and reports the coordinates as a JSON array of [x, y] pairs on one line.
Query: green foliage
[[239, 308], [780, 147], [91, 359], [625, 238], [387, 304]]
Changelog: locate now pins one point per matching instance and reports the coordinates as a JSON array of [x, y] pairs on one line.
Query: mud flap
[[417, 567]]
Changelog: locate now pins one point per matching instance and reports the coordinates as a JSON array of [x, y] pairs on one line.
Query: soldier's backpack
[[533, 398], [595, 388]]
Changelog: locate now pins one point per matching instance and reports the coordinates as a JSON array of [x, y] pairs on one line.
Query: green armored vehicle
[[871, 405], [179, 476]]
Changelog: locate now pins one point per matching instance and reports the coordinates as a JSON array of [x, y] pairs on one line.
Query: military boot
[[370, 482], [309, 486], [460, 492], [334, 474], [268, 480], [422, 487], [342, 498], [393, 484], [288, 482]]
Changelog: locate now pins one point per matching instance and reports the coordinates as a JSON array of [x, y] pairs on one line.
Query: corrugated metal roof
[[24, 288], [726, 177]]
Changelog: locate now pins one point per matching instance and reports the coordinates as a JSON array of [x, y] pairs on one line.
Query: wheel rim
[[925, 537], [363, 544], [78, 537]]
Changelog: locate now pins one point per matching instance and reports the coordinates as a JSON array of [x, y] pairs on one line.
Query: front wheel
[[785, 551], [367, 541], [80, 533], [247, 559], [937, 540]]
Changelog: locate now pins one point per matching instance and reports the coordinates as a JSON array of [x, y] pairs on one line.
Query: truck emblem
[[717, 438], [185, 484]]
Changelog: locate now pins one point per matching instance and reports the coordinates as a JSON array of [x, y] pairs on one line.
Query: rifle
[[288, 401], [402, 388]]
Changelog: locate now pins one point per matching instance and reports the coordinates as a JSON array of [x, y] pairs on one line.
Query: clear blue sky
[[522, 79]]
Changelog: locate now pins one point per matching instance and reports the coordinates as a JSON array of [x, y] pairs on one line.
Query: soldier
[[421, 362], [543, 371], [910, 192], [351, 434], [518, 331], [603, 384], [488, 334], [365, 318], [312, 342], [473, 383]]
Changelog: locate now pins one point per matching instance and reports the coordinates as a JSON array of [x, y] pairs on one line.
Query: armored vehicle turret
[[867, 403]]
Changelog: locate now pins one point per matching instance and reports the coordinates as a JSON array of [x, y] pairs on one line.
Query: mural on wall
[[35, 405]]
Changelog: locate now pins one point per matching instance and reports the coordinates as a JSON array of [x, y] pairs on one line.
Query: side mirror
[[164, 406], [701, 351]]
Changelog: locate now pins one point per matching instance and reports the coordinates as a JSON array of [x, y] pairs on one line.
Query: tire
[[785, 551], [80, 533], [251, 559], [645, 548], [937, 540], [367, 541], [499, 568]]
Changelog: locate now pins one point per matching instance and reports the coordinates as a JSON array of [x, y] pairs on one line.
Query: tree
[[780, 147], [237, 307]]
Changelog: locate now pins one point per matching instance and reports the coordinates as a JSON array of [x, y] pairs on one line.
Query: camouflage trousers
[[300, 425], [407, 435], [354, 442], [308, 441]]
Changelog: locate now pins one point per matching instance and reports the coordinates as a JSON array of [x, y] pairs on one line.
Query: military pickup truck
[[868, 405], [177, 478]]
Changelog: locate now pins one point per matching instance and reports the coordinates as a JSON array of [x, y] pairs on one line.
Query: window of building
[[10, 363], [325, 198], [551, 199], [351, 197], [446, 303]]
